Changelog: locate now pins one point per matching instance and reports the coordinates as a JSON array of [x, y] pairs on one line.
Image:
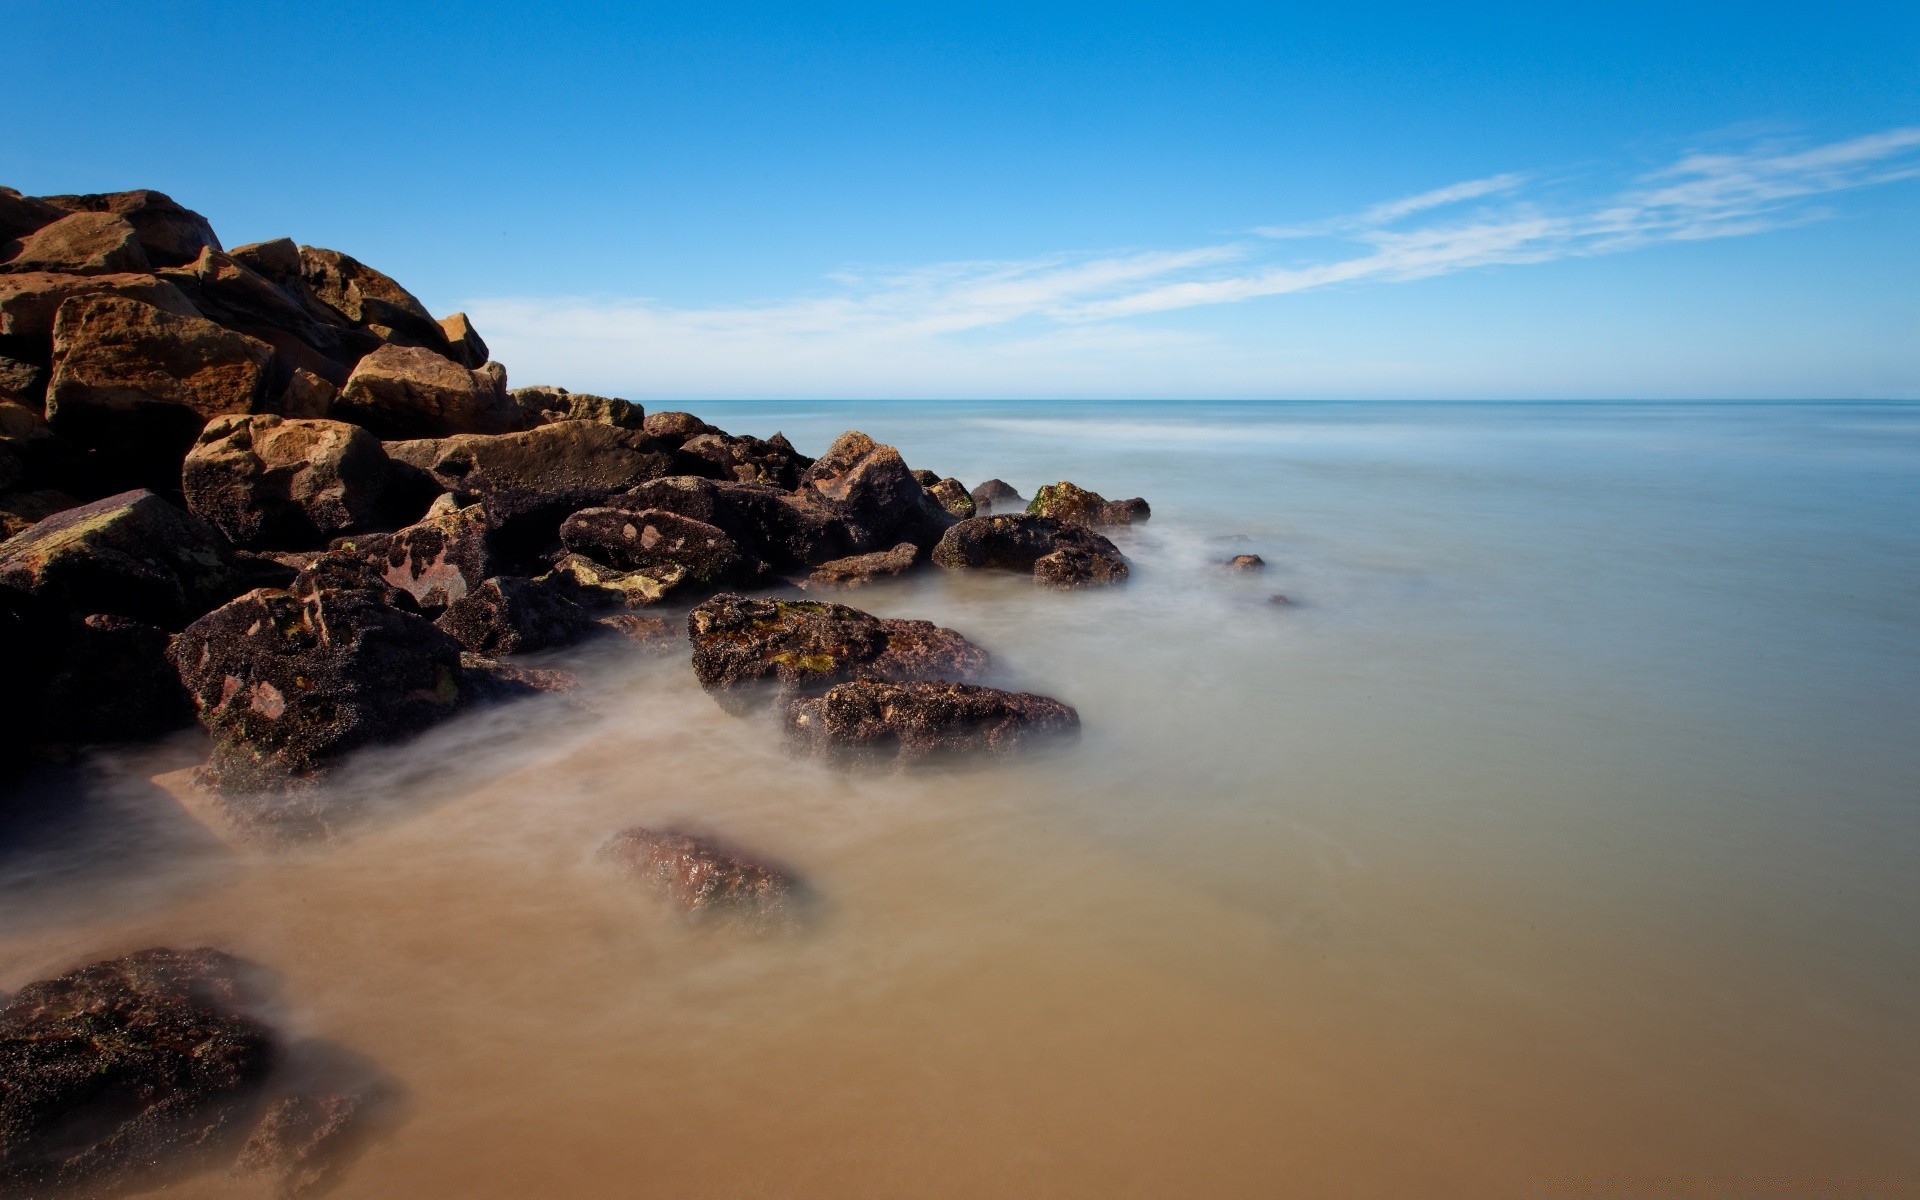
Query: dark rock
[[926, 478], [113, 684], [414, 392], [741, 459], [509, 615], [22, 510], [1246, 562], [866, 490], [108, 1069], [287, 684], [442, 558], [305, 334], [649, 539], [305, 396], [674, 428], [1278, 600], [741, 646], [463, 341], [366, 297], [548, 404], [271, 568], [168, 233], [952, 495], [591, 585], [705, 878], [136, 384], [865, 568], [29, 302], [871, 723], [491, 681], [996, 494], [1075, 505], [21, 215], [78, 244], [265, 481], [352, 570], [651, 633], [1016, 542], [131, 555], [23, 383], [764, 521]]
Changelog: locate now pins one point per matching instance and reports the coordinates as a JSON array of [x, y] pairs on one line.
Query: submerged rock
[[1058, 554], [706, 879], [299, 1140], [996, 495], [743, 649], [872, 723], [863, 569], [1246, 563], [1076, 505]]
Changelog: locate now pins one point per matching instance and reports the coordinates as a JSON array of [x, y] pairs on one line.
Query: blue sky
[[1050, 200]]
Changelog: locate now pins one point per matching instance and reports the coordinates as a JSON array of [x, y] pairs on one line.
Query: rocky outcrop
[[131, 555], [863, 569], [742, 459], [764, 521], [82, 243], [510, 615], [305, 334], [109, 1069], [996, 495], [1057, 554], [869, 723], [953, 496], [743, 650], [287, 684], [440, 559], [548, 404], [30, 301], [292, 484], [368, 298], [650, 539], [870, 497], [706, 879], [1075, 505], [414, 392], [464, 344], [168, 233]]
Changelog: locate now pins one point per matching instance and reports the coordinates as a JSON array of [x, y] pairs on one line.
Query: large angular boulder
[[706, 879], [648, 539], [131, 555], [464, 344], [511, 615], [862, 569], [78, 244], [366, 297], [415, 392], [1076, 505], [744, 650], [766, 522], [440, 559], [306, 335], [288, 684], [869, 493], [773, 461], [289, 484], [113, 684], [545, 404], [1056, 553], [869, 723], [30, 301], [953, 496], [674, 428], [996, 495], [168, 233], [21, 215], [136, 384], [107, 1070]]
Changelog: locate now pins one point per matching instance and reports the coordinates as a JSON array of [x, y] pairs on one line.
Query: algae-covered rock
[[875, 723], [1076, 505], [132, 555], [707, 879]]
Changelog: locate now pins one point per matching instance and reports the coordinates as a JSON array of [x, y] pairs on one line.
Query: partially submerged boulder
[[764, 521], [862, 569], [744, 649], [267, 481], [1243, 563], [415, 392], [869, 723], [511, 615], [866, 490], [82, 243], [1076, 505], [132, 555], [649, 539], [1056, 553], [707, 879], [996, 495]]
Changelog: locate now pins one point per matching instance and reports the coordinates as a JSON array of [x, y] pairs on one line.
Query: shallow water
[[1559, 839]]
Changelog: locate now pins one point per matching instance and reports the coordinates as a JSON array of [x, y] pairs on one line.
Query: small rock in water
[[651, 633], [705, 878], [996, 495], [869, 723], [1246, 562], [865, 568], [1076, 505], [1278, 600], [1058, 553]]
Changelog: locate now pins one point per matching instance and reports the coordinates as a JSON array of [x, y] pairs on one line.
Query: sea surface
[[1560, 837]]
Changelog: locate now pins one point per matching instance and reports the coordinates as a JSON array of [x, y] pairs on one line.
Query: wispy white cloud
[[960, 326]]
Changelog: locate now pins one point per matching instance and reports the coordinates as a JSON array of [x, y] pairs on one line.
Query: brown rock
[[772, 525], [78, 244], [996, 495], [1079, 566], [30, 301], [305, 396], [132, 555], [308, 335], [511, 615], [299, 1139], [649, 539], [866, 489], [442, 558], [368, 298], [267, 481], [674, 428], [463, 341], [863, 569], [869, 723], [168, 233], [21, 215], [1058, 554], [545, 404], [1075, 505], [742, 459], [953, 496], [651, 633], [23, 383], [278, 260], [594, 586], [411, 391], [705, 878], [1246, 563]]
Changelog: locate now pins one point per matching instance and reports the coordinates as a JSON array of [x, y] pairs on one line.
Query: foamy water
[[1558, 839]]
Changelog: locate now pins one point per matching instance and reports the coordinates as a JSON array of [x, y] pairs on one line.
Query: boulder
[[21, 215], [743, 649], [925, 478], [135, 383], [366, 297], [23, 383], [706, 879], [305, 395], [863, 569], [648, 539], [464, 345], [674, 428], [113, 684], [361, 569], [866, 490], [131, 555], [869, 723], [1246, 563], [742, 459], [168, 234], [110, 1068], [289, 484], [1074, 554], [442, 558], [30, 301], [510, 615], [413, 392], [546, 404], [996, 494], [278, 260], [591, 585], [288, 684], [650, 633], [22, 510], [1075, 505], [953, 496], [307, 335], [78, 244], [764, 521]]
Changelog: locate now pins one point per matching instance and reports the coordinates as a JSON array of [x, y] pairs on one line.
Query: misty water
[[1558, 838]]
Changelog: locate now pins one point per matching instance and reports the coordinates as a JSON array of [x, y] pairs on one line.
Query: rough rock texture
[[1075, 505], [741, 646], [287, 684], [764, 521], [594, 586], [23, 384], [29, 302], [870, 723], [109, 1068], [508, 615], [135, 383], [113, 684], [414, 392], [266, 481], [78, 244], [464, 344], [531, 481], [865, 568], [648, 539], [953, 496], [742, 459], [1058, 554], [548, 404], [21, 215], [1246, 562], [674, 428], [442, 558], [299, 1138], [650, 633], [22, 510], [366, 297], [705, 878], [168, 233], [131, 555], [305, 333], [868, 493], [996, 495]]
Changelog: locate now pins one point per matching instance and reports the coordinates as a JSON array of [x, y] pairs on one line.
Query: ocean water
[[1559, 838]]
